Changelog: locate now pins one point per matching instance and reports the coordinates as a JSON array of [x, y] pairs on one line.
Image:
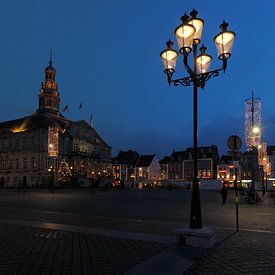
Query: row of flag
[[66, 109]]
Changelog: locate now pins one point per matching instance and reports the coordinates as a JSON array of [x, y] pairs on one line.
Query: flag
[[91, 117], [66, 108], [80, 106]]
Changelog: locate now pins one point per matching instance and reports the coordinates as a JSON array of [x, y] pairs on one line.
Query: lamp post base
[[202, 237]]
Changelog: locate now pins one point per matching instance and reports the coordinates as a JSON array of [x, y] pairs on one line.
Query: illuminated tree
[[64, 172]]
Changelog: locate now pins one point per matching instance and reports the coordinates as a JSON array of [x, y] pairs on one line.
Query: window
[[34, 162], [75, 147], [25, 163], [17, 163], [10, 164], [82, 166], [24, 142], [32, 141], [74, 166], [10, 144]]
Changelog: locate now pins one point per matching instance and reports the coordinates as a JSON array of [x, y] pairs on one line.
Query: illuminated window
[[82, 166], [273, 183], [75, 166]]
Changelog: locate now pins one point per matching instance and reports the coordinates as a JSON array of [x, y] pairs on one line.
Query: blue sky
[[106, 54]]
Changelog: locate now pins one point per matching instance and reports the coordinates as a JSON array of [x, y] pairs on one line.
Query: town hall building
[[45, 142]]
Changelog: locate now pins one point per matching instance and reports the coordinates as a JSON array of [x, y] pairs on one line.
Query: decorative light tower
[[253, 122], [188, 35]]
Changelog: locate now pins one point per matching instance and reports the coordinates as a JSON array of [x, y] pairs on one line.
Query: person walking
[[224, 194]]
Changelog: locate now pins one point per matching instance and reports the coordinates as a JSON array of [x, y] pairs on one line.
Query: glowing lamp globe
[[224, 42]]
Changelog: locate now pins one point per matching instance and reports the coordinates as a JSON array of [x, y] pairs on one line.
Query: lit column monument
[[188, 35]]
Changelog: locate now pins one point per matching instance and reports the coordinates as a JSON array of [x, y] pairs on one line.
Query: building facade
[[175, 165], [226, 170], [180, 166], [148, 168], [29, 150], [124, 165]]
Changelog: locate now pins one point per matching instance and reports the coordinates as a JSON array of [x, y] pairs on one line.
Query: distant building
[[226, 169], [124, 165], [271, 155], [250, 165], [33, 147], [180, 166], [175, 165], [208, 158], [164, 168], [148, 168]]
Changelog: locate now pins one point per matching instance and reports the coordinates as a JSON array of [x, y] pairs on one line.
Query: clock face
[[49, 84]]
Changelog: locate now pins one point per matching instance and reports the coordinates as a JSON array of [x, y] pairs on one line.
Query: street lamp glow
[[198, 24], [224, 41], [256, 130], [188, 36], [203, 61], [185, 35], [169, 57]]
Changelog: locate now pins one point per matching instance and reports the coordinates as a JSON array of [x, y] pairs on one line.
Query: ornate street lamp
[[188, 36]]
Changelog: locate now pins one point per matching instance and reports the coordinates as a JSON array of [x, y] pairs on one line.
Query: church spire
[[51, 53], [49, 96]]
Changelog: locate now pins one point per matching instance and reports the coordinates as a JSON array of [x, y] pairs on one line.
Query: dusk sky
[[106, 54]]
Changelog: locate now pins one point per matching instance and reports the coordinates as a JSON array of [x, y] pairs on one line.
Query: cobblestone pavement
[[25, 250], [43, 250], [242, 253], [148, 212]]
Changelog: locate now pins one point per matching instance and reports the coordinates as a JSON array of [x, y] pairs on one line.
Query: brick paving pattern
[[26, 250], [242, 253]]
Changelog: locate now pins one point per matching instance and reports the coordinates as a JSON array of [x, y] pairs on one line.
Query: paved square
[[111, 232]]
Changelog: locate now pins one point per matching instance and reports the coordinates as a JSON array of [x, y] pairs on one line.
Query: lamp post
[[188, 36]]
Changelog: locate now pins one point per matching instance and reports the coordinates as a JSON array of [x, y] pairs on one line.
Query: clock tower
[[49, 99]]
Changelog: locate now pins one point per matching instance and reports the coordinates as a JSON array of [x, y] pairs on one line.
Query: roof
[[126, 157], [178, 156], [145, 160], [165, 160], [251, 152], [228, 158], [34, 121], [83, 123], [225, 159], [204, 151]]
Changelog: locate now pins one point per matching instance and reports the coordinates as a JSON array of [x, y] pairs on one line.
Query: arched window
[[82, 166], [34, 163], [10, 164], [75, 166], [17, 163], [25, 163]]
